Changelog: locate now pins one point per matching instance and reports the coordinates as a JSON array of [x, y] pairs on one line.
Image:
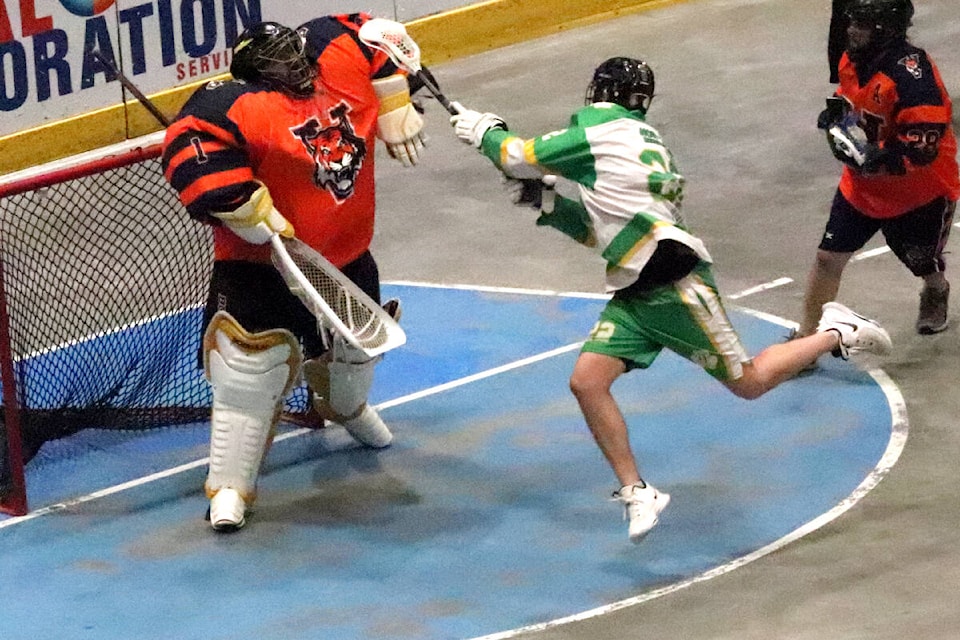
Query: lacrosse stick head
[[392, 38]]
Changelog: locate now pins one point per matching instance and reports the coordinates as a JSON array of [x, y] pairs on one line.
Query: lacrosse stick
[[132, 88], [392, 38], [335, 300]]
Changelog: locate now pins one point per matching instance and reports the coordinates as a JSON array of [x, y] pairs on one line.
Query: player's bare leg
[[780, 362], [840, 331], [823, 283], [593, 375]]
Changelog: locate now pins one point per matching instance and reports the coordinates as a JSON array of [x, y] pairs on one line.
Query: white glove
[[470, 126], [848, 142], [399, 124], [256, 221]]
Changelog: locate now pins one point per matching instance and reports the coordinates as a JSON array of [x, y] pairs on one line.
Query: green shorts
[[686, 317]]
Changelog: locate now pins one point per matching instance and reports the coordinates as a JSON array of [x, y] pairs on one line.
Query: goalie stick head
[[271, 54], [624, 81]]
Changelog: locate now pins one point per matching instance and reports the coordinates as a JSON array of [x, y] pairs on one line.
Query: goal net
[[103, 276]]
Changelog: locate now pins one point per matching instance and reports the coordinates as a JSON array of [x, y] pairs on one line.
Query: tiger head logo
[[336, 150], [912, 64]]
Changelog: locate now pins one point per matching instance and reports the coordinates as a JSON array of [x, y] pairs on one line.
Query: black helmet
[[889, 18], [271, 54], [624, 81]]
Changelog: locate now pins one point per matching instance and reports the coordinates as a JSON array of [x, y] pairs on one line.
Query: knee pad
[[250, 374]]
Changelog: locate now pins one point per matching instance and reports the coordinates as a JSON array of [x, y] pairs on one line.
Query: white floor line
[[779, 282], [870, 253]]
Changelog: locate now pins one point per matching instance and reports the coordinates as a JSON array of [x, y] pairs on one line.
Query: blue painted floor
[[488, 513]]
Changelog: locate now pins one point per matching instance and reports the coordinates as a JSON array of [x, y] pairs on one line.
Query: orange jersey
[[315, 155], [905, 109]]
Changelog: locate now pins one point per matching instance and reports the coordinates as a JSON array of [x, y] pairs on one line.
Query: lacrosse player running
[[890, 124], [286, 147], [664, 295]]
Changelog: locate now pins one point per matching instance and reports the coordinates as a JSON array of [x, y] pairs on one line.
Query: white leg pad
[[340, 388], [368, 428], [250, 375], [340, 391]]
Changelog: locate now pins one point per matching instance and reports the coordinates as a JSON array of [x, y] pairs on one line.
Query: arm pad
[[399, 125]]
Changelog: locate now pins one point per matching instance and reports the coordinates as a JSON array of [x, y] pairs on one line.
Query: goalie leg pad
[[340, 391], [250, 374]]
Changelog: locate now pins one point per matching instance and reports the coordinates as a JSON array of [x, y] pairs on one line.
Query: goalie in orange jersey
[[287, 145]]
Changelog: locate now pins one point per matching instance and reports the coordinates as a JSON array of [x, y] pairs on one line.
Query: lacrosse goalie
[[284, 150]]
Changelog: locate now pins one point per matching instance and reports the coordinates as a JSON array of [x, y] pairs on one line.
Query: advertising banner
[[50, 70]]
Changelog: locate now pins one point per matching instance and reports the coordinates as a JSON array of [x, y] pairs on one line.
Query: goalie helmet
[[271, 54], [889, 19], [624, 81]]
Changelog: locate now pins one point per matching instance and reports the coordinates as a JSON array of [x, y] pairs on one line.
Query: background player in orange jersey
[[890, 123], [286, 146]]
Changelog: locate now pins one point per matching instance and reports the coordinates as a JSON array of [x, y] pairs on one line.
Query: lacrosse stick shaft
[[432, 88], [132, 88]]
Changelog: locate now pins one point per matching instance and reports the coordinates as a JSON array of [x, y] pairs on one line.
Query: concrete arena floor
[[739, 85]]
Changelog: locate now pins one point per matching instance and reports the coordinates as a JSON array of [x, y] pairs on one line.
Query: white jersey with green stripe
[[630, 188]]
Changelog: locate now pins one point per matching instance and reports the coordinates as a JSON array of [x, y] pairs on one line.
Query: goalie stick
[[333, 299], [392, 38]]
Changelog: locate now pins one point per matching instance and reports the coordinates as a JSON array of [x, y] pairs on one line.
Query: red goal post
[[103, 276]]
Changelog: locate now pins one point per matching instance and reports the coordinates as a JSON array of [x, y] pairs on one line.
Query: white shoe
[[642, 504], [227, 510], [369, 429], [856, 332]]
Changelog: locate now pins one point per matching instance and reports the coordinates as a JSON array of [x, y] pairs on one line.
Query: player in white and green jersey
[[664, 294]]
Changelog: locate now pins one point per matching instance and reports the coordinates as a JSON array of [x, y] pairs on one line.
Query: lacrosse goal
[[103, 276]]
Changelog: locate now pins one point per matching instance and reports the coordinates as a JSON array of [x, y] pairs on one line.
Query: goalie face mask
[[627, 82], [271, 54]]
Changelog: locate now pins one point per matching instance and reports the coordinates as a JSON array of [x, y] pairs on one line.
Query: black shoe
[[933, 310], [393, 308]]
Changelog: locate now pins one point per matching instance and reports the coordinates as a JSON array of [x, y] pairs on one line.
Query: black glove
[[536, 193], [836, 111]]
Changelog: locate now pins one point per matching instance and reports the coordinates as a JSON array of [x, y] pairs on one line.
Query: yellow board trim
[[442, 37]]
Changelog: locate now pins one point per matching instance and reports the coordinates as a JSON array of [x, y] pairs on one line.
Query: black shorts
[[257, 297], [917, 237]]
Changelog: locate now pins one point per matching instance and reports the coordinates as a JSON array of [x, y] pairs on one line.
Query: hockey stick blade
[[335, 300]]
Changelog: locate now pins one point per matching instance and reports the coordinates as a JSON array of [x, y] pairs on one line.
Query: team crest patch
[[912, 65], [337, 152]]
